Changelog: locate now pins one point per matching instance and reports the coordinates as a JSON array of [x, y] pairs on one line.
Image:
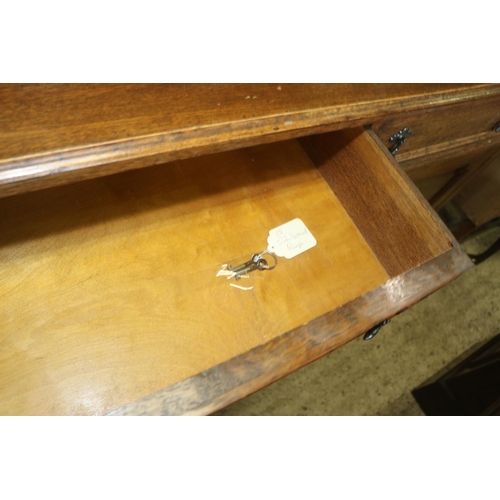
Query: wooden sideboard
[[119, 204]]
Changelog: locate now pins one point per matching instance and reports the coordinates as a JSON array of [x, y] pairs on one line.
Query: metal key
[[256, 263]]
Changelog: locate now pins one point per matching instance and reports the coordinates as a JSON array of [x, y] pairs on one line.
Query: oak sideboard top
[[111, 299], [53, 134]]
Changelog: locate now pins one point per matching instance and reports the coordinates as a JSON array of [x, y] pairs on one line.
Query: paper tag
[[290, 239]]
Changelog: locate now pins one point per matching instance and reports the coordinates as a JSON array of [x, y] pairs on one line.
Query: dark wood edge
[[414, 189], [30, 173], [238, 377], [455, 185], [445, 192], [464, 229], [450, 149]]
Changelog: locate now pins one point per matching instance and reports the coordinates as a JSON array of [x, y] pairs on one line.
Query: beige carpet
[[376, 377]]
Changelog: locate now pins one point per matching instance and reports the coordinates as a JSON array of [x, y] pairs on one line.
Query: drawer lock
[[397, 140]]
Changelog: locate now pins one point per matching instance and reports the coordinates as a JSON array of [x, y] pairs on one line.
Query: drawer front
[[448, 161], [442, 127], [442, 175], [449, 178], [109, 288]]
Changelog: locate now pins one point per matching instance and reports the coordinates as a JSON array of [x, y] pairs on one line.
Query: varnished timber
[[108, 289], [419, 187], [460, 180], [411, 186], [222, 385], [55, 134], [413, 160], [442, 128], [402, 233], [448, 160], [441, 174], [480, 198]]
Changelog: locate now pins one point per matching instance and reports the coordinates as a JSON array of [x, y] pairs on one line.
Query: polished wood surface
[[448, 160], [108, 285], [461, 180], [109, 290], [443, 128], [448, 146], [391, 218], [234, 379], [416, 192], [441, 177], [55, 134]]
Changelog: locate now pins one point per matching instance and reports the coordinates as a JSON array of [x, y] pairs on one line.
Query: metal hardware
[[496, 128], [373, 331], [256, 263], [397, 140], [493, 249]]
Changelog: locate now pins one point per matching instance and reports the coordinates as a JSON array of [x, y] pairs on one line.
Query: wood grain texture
[[450, 149], [480, 198], [108, 289], [55, 134], [444, 127], [220, 386], [416, 192], [461, 179], [440, 177], [400, 230], [448, 160]]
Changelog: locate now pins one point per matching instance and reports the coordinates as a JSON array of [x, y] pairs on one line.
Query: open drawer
[[109, 296]]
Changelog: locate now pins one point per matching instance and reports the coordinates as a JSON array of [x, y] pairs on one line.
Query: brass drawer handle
[[397, 140]]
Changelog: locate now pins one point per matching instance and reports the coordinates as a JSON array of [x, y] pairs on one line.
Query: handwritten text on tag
[[290, 239]]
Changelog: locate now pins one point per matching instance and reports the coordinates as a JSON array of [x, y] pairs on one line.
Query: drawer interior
[[109, 289]]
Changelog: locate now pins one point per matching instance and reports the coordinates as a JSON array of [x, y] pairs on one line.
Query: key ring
[[258, 258], [256, 263]]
